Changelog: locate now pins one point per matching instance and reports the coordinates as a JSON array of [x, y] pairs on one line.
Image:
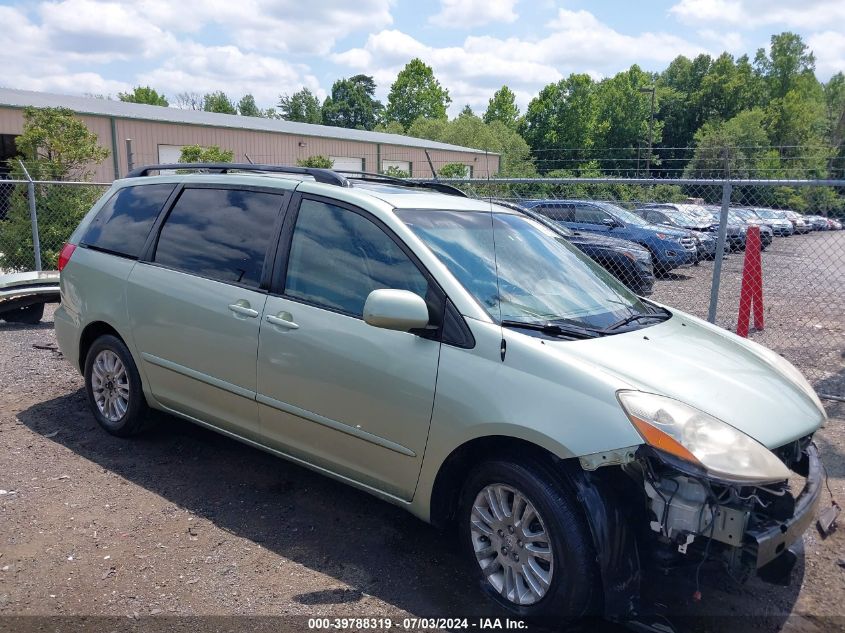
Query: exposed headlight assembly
[[698, 438]]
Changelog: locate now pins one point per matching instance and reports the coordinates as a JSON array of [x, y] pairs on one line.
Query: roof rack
[[368, 176], [326, 176]]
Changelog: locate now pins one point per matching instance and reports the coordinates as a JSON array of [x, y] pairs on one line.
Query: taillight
[[64, 255]]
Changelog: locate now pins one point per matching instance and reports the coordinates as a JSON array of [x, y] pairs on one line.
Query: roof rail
[[368, 176], [326, 176]]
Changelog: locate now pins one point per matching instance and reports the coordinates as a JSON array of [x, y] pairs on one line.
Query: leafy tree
[[210, 154], [789, 64], [395, 172], [467, 111], [560, 122], [302, 106], [352, 104], [55, 145], [323, 162], [143, 94], [471, 131], [391, 127], [58, 146], [738, 147], [502, 107], [416, 93], [247, 107], [218, 102], [454, 170]]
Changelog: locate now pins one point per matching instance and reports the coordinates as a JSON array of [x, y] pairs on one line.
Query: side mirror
[[610, 222], [400, 310]]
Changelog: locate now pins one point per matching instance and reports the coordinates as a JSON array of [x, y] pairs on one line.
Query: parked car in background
[[834, 224], [454, 358], [801, 226], [669, 248], [744, 220], [629, 262], [781, 225], [672, 217], [705, 222], [817, 222]]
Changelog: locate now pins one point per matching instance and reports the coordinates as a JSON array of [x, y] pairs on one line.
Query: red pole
[[751, 292]]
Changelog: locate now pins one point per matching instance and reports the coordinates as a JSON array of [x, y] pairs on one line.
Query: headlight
[[700, 439]]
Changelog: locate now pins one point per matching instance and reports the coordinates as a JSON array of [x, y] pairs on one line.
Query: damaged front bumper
[[747, 527]]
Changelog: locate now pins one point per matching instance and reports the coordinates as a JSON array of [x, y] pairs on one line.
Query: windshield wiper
[[660, 316], [554, 329]]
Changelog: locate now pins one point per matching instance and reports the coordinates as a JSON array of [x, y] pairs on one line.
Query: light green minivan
[[450, 356]]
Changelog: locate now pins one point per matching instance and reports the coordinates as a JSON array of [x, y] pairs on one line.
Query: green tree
[[302, 106], [454, 170], [560, 121], [143, 94], [390, 127], [396, 172], [352, 104], [502, 107], [416, 93], [323, 162], [738, 147], [218, 102], [789, 64], [55, 145], [210, 154], [247, 107]]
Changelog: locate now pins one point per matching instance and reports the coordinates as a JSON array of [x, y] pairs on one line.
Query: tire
[[30, 315], [114, 388], [571, 574]]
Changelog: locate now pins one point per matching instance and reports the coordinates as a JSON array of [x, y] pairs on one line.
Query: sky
[[271, 47]]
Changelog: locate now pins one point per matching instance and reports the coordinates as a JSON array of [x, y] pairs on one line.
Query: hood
[[711, 369], [671, 231], [615, 243]]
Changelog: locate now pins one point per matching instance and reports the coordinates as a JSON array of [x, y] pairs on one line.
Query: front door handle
[[242, 307], [283, 319]]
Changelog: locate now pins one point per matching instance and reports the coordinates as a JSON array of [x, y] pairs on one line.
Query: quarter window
[[123, 224], [338, 257], [221, 234]]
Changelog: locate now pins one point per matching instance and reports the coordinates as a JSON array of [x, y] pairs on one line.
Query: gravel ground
[[184, 522]]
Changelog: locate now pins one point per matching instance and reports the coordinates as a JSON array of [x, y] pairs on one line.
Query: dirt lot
[[183, 522]]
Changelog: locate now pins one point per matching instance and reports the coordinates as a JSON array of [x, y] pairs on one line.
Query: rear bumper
[[767, 542]]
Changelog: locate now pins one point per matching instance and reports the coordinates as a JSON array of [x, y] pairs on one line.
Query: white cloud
[[467, 14], [808, 14], [829, 47], [199, 68], [576, 41]]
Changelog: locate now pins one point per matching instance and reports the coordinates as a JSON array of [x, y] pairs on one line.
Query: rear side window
[[124, 222], [222, 234]]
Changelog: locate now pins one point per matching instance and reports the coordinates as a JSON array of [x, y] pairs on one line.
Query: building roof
[[123, 110]]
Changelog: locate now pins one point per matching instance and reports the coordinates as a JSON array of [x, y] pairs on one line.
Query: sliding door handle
[[283, 320], [243, 308]]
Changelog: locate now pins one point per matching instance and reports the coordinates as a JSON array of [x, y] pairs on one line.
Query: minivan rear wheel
[[528, 539], [114, 388]]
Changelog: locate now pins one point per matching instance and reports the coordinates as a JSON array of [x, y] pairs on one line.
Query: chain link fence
[[661, 237], [37, 218], [694, 236]]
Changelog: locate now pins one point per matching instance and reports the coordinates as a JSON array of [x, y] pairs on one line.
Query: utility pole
[[651, 89]]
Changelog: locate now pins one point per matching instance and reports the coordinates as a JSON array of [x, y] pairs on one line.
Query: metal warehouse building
[[137, 134]]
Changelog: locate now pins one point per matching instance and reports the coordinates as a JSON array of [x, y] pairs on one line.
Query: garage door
[[347, 163], [401, 165], [169, 154]]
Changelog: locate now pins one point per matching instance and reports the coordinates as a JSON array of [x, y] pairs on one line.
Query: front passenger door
[[340, 394]]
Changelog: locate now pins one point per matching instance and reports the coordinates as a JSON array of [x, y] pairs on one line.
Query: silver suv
[[452, 357]]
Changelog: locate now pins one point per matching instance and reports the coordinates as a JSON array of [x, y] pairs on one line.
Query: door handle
[[283, 319], [242, 308]]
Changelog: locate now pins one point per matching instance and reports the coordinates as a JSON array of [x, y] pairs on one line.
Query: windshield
[[770, 215], [685, 220], [628, 217], [541, 278]]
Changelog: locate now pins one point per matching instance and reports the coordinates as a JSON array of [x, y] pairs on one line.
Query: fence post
[[130, 156], [720, 250], [33, 217]]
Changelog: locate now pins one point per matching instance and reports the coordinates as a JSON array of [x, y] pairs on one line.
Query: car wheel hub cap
[[110, 385], [511, 544]]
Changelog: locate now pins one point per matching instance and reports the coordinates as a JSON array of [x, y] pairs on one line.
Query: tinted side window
[[590, 215], [338, 257], [124, 222], [222, 234]]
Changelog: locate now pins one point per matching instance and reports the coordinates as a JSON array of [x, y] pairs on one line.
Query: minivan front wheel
[[114, 389], [529, 541]]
